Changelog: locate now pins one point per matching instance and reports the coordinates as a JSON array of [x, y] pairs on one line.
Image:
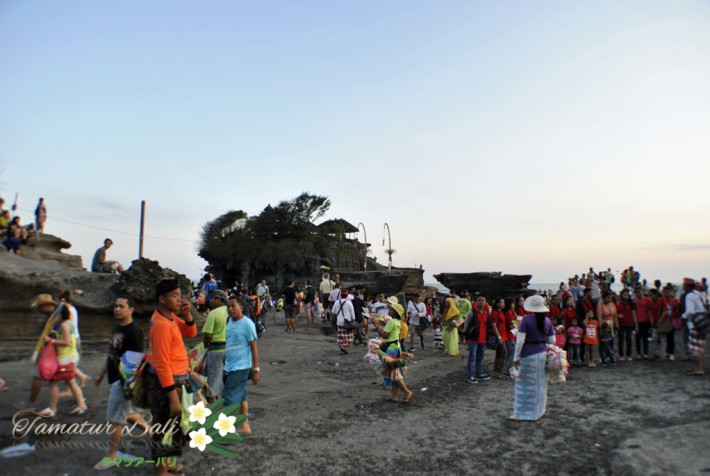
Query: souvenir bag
[[47, 363]]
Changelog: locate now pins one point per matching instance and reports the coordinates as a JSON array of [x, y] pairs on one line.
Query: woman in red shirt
[[627, 324], [519, 311], [511, 322], [555, 310], [498, 319]]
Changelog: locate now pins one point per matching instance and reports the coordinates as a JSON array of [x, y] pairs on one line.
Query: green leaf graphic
[[221, 450]]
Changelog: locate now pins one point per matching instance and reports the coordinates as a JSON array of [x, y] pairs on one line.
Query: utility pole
[[140, 244]]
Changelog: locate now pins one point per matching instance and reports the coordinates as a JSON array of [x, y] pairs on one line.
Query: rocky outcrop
[[489, 284], [24, 277]]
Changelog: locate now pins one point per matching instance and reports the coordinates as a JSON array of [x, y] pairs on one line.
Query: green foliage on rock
[[282, 234]]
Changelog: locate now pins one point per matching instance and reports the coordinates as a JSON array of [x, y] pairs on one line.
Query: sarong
[[451, 341], [696, 343], [345, 337], [394, 366], [531, 388]]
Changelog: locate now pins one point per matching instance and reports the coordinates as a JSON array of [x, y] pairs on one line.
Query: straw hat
[[535, 304], [398, 308], [43, 299]]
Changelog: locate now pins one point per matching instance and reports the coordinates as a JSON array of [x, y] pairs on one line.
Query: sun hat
[[397, 307], [535, 304], [392, 300], [42, 300]]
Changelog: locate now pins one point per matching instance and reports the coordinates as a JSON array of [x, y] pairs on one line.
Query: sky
[[532, 137]]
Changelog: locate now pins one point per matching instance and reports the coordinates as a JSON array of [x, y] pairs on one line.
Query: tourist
[[289, 296], [242, 356], [555, 309], [308, 301], [126, 336], [380, 306], [169, 369], [607, 312], [499, 320], [360, 321], [519, 303], [575, 334], [477, 328], [326, 287], [591, 338], [333, 297], [511, 328], [628, 323], [416, 311], [560, 337], [262, 290], [5, 219], [438, 337], [569, 311], [40, 215], [395, 360], [450, 324], [344, 316], [101, 265], [643, 316], [215, 338], [16, 236], [668, 323], [67, 354], [209, 286], [606, 346], [696, 341], [530, 359], [66, 298]]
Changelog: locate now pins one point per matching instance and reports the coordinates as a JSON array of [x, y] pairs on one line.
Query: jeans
[[625, 334], [606, 351], [574, 355], [510, 345], [642, 338], [475, 354], [358, 334]]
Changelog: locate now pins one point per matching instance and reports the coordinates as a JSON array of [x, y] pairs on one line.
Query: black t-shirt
[[123, 338], [289, 296], [310, 295]]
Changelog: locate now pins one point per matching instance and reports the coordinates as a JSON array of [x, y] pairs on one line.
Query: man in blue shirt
[[241, 357]]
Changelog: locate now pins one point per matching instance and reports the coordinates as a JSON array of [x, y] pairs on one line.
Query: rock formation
[[43, 268], [489, 284]]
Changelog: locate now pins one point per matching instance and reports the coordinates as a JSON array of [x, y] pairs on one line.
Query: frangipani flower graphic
[[225, 424], [199, 413], [199, 439]]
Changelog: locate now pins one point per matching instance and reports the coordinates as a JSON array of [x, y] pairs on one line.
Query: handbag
[[701, 323], [65, 372], [47, 364], [349, 325], [665, 326]]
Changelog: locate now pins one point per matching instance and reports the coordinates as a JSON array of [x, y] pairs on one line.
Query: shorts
[[290, 311], [215, 372], [108, 268], [696, 344], [309, 309], [235, 386], [118, 407], [415, 329]]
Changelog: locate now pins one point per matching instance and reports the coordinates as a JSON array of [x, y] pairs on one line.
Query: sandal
[[47, 413], [78, 411], [103, 464]]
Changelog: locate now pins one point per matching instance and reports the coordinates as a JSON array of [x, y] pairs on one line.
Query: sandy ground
[[318, 412]]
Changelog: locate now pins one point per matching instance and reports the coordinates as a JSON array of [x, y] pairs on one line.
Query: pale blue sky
[[528, 137]]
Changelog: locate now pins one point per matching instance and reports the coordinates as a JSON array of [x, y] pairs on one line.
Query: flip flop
[[101, 465], [78, 411], [47, 413]]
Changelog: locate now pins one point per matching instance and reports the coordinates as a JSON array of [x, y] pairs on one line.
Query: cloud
[[689, 247]]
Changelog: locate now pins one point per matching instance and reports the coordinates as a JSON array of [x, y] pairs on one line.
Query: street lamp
[[389, 250], [365, 232]]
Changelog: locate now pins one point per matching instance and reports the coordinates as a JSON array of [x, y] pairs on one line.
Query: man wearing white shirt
[[416, 311], [696, 341], [343, 311], [332, 297]]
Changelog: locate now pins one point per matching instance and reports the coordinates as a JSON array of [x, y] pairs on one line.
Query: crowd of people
[[594, 330], [14, 234]]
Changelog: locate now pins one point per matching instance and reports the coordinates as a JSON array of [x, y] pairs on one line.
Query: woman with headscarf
[[530, 358], [450, 324], [393, 359]]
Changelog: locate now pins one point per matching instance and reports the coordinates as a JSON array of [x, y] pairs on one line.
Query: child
[[606, 345], [591, 338], [575, 334], [438, 337], [560, 338]]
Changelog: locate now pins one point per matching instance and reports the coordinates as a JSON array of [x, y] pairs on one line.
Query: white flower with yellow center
[[199, 439], [225, 424], [199, 413]]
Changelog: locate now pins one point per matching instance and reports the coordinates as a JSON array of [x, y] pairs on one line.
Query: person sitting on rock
[[16, 236], [101, 265]]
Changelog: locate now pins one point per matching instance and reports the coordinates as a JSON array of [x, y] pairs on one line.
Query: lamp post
[[365, 233], [389, 250]]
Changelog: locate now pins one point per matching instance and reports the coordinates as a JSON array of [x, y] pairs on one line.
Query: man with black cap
[[696, 340], [169, 367], [215, 332]]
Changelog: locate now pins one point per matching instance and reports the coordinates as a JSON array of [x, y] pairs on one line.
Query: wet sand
[[318, 412]]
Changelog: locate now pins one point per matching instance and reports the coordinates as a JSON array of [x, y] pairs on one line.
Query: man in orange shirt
[[169, 368]]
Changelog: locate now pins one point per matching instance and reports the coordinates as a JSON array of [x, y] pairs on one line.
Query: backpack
[[471, 326]]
